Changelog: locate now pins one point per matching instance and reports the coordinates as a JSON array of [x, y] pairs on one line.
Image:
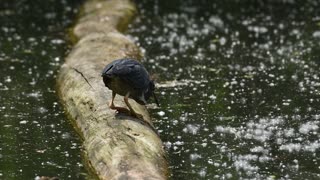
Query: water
[[238, 84], [36, 139]]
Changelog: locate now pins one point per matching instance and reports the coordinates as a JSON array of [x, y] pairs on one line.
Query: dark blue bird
[[130, 79]]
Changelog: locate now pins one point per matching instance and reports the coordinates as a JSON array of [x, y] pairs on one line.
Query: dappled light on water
[[36, 139], [238, 86]]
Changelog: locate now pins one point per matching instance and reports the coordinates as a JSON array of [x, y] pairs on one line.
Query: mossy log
[[118, 146]]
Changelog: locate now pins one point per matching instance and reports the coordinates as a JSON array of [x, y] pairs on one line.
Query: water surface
[[36, 139], [238, 86]]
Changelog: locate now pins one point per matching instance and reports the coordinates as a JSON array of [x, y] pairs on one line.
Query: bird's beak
[[155, 98]]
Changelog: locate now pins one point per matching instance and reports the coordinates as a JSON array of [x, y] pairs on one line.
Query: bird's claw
[[123, 110], [128, 112], [120, 109], [137, 115]]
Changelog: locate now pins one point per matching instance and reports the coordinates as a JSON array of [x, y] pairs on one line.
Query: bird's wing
[[132, 72]]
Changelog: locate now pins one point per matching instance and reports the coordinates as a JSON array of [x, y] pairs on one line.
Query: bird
[[129, 78]]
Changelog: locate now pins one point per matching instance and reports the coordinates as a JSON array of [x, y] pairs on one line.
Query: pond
[[36, 139], [238, 84]]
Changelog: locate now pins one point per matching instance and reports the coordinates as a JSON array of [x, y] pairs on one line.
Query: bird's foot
[[137, 115], [123, 110], [126, 111], [120, 109]]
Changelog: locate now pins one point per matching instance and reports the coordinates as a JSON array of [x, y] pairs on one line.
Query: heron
[[129, 78]]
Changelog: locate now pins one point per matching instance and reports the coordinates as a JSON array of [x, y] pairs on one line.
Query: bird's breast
[[121, 87], [118, 86]]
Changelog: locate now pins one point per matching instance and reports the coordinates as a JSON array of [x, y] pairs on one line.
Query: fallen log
[[118, 146]]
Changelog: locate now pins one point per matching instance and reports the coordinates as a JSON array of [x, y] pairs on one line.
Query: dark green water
[[36, 139], [239, 86]]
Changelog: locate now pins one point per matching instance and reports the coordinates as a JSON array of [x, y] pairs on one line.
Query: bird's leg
[[112, 106], [126, 100]]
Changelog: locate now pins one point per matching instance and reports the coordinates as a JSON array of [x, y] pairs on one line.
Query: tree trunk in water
[[117, 146]]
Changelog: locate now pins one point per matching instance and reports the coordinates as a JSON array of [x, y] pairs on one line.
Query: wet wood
[[117, 146]]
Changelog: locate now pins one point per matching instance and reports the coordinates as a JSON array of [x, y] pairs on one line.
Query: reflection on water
[[238, 85], [35, 138]]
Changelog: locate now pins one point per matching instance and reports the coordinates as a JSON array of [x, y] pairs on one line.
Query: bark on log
[[118, 146]]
